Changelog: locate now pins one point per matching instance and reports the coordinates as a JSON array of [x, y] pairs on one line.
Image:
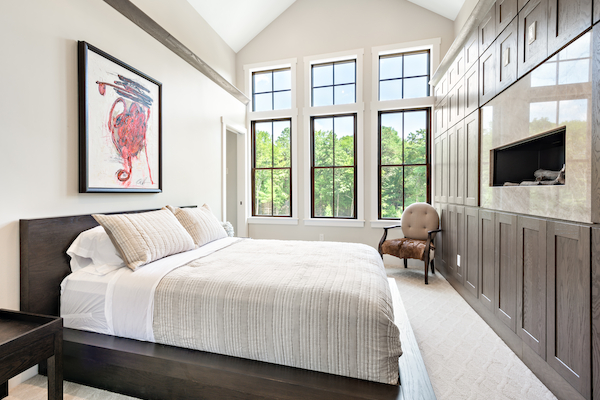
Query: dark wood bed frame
[[155, 371]]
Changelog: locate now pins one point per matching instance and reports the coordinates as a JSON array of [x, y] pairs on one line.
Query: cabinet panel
[[505, 269], [487, 29], [531, 283], [567, 19], [486, 259], [440, 91], [471, 50], [533, 35], [457, 162], [487, 75], [443, 251], [451, 241], [459, 243], [506, 11], [596, 311], [441, 117], [472, 159], [506, 56], [471, 251], [472, 89], [458, 69], [456, 103], [568, 307], [521, 4], [445, 167], [438, 168]]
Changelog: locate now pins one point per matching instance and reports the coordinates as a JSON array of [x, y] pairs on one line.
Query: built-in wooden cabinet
[[533, 35], [471, 159], [440, 91], [487, 29], [441, 167], [472, 89], [506, 56], [456, 70], [506, 11], [470, 256], [596, 310], [487, 75], [450, 249], [569, 304], [521, 4], [505, 269], [471, 50], [487, 258], [441, 117], [456, 103], [457, 163], [567, 19]]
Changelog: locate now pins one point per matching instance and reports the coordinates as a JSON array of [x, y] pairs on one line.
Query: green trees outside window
[[271, 168], [403, 161], [333, 166]]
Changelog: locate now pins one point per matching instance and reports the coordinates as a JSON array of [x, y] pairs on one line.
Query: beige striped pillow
[[200, 223], [145, 237]]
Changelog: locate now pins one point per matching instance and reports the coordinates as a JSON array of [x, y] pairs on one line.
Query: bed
[[150, 370]]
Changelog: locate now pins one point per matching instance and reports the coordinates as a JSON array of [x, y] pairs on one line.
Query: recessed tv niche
[[538, 160]]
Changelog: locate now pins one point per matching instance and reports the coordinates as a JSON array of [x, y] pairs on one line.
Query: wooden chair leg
[[405, 263], [426, 271]]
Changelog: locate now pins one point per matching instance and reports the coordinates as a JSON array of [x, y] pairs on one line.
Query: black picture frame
[[125, 131]]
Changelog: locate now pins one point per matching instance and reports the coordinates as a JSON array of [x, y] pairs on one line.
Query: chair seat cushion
[[405, 248]]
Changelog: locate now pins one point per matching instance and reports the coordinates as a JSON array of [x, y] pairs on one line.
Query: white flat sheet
[[92, 302]]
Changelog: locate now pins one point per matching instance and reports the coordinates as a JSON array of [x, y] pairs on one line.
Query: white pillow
[[94, 247]]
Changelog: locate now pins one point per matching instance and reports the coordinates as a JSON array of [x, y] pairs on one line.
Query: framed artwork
[[120, 128]]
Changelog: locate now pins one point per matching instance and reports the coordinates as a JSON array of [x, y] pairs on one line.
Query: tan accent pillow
[[200, 223], [145, 237]]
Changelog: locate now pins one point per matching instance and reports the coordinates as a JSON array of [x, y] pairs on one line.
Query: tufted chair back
[[418, 219]]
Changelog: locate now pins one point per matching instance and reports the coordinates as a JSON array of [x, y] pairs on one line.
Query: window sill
[[378, 224], [347, 223], [272, 220]]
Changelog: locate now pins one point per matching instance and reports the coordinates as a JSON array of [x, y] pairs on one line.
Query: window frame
[[272, 91], [427, 158], [403, 78], [333, 85], [333, 167]]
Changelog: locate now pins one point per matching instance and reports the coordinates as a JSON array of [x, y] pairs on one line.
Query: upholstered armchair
[[420, 222]]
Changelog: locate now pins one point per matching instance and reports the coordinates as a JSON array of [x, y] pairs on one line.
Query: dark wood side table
[[26, 340]]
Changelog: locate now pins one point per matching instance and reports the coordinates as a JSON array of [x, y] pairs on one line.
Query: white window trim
[[251, 116], [357, 108], [433, 45]]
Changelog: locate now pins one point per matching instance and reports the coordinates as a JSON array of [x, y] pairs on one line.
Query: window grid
[[272, 168], [333, 64], [403, 77], [333, 167], [272, 91], [427, 163]]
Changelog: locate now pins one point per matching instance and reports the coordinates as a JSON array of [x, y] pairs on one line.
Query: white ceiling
[[445, 8], [239, 21]]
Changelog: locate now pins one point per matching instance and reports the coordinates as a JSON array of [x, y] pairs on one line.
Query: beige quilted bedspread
[[321, 306]]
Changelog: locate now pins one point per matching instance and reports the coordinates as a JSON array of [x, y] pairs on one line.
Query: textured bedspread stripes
[[316, 305]]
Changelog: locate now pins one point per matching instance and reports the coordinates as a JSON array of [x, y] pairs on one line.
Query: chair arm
[[385, 232], [430, 237]]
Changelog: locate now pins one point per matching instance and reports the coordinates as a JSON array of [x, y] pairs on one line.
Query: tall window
[[334, 83], [404, 75], [403, 160], [272, 90], [333, 170], [271, 168]]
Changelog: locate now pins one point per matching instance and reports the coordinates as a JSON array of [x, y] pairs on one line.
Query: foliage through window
[[404, 75], [334, 83], [272, 90], [403, 161], [271, 168], [333, 171]]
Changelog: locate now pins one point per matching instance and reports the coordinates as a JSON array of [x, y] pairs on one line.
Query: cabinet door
[[471, 50], [472, 159], [505, 269], [472, 89], [487, 75], [440, 237], [445, 167], [456, 103], [506, 11], [533, 35], [441, 117], [596, 311], [440, 91], [451, 241], [567, 19], [457, 69], [531, 283], [459, 243], [487, 29], [506, 56], [486, 259], [445, 236], [438, 168], [452, 164], [569, 314], [470, 260]]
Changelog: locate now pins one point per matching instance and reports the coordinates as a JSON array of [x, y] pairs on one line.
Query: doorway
[[231, 167]]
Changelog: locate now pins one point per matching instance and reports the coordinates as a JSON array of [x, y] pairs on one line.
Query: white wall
[[39, 118], [463, 15], [313, 27]]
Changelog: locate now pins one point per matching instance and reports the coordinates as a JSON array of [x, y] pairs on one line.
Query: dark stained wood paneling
[[596, 312], [487, 257], [471, 50], [506, 56], [453, 164], [472, 159], [487, 75], [532, 52], [470, 259], [595, 150], [531, 283], [459, 195], [522, 3], [506, 11], [487, 29], [567, 19], [472, 89], [459, 243], [568, 319], [505, 269]]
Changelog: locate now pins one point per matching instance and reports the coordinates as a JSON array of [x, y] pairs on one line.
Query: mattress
[[321, 306]]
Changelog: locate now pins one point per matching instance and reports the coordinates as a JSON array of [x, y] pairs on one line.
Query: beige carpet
[[443, 322]]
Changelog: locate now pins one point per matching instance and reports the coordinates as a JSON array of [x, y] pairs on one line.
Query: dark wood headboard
[[44, 261]]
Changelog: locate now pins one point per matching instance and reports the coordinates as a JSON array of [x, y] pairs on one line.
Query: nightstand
[[26, 340]]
